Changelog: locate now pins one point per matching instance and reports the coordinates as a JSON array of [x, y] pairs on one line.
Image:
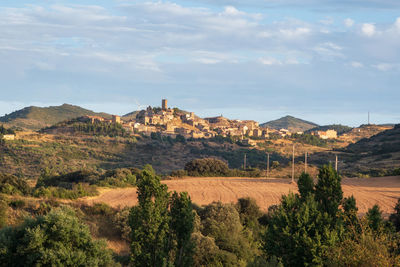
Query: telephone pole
[[244, 162], [368, 118], [293, 165], [305, 162], [336, 163], [267, 165]]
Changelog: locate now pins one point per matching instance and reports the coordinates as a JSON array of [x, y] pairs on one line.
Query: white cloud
[[270, 61], [348, 22], [384, 66], [356, 64], [293, 33], [232, 11], [368, 29]]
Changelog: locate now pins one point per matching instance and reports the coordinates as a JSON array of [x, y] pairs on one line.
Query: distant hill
[[382, 143], [35, 118], [340, 129], [291, 123], [130, 115]]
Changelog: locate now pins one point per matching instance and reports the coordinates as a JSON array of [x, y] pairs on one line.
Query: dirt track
[[383, 191]]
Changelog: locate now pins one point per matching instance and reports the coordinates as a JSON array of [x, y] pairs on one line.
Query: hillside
[[375, 155], [340, 129], [291, 123], [130, 115], [35, 118]]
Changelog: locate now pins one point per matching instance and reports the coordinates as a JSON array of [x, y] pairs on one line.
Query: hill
[[35, 118], [291, 123], [340, 129], [378, 154], [130, 115]]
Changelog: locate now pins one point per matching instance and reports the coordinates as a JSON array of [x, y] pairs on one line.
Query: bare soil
[[384, 191]]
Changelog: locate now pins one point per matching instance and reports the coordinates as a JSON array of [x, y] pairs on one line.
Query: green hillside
[[291, 123], [35, 118], [340, 129]]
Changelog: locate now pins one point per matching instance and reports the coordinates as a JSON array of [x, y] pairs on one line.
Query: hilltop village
[[173, 122]]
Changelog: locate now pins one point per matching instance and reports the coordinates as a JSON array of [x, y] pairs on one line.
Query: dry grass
[[382, 191]]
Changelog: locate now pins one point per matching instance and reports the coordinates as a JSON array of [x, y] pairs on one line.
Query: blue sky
[[327, 61]]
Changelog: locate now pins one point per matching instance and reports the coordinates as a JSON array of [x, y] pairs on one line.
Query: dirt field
[[383, 191]]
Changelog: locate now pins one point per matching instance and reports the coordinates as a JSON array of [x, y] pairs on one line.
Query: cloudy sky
[[327, 61]]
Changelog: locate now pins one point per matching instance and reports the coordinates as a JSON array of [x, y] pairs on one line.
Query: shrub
[[12, 185], [56, 239], [3, 212], [207, 167]]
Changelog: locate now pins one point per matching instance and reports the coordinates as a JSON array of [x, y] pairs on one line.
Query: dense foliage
[[161, 226], [12, 185], [56, 239], [213, 167], [308, 139], [319, 228]]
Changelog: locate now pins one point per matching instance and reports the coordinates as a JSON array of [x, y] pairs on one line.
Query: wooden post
[[244, 162], [293, 165], [305, 162], [267, 165], [336, 163]]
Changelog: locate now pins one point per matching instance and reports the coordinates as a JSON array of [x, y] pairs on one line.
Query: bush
[[56, 239], [12, 185], [3, 212], [77, 191], [207, 167]]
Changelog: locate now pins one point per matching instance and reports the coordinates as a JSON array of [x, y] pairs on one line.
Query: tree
[[395, 217], [374, 217], [182, 225], [3, 212], [150, 222], [297, 232], [305, 185], [56, 239], [328, 190]]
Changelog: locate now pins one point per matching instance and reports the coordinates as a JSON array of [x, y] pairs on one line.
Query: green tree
[[298, 232], [375, 220], [56, 239], [150, 222], [3, 212], [182, 225], [328, 190], [395, 217], [305, 185]]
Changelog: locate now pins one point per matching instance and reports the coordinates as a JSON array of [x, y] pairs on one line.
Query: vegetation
[[212, 167], [340, 129], [289, 122], [55, 239], [310, 228], [12, 185], [308, 139], [160, 228]]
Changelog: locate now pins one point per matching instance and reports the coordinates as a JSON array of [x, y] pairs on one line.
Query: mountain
[[35, 118], [291, 123], [340, 129]]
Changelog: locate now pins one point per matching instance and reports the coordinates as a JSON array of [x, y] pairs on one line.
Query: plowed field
[[383, 191]]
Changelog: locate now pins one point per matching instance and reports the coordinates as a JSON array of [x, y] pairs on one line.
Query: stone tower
[[164, 104]]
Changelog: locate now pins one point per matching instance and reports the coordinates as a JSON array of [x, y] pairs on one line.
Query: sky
[[326, 61]]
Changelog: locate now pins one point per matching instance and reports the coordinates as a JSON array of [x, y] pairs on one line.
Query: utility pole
[[336, 163], [305, 162], [368, 117], [293, 165], [267, 165], [244, 162]]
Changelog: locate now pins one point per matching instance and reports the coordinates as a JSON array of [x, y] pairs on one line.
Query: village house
[[328, 134], [9, 137]]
